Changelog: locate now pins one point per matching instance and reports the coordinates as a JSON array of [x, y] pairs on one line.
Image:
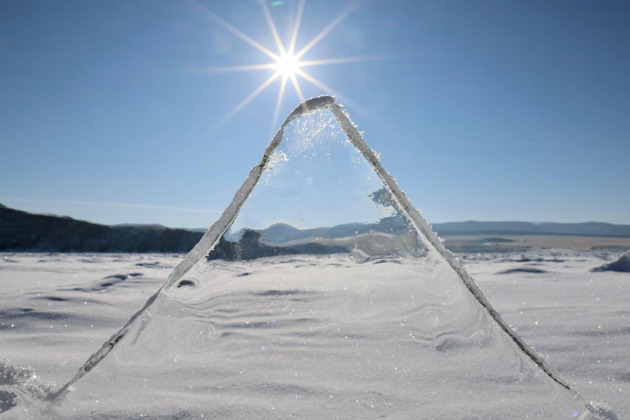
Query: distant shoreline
[[525, 242], [26, 232]]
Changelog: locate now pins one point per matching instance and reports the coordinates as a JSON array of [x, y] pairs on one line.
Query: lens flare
[[287, 64]]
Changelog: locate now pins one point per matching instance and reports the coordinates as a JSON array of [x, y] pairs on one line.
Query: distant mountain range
[[283, 232], [22, 231], [529, 228]]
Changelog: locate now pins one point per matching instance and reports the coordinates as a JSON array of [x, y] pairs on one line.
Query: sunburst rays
[[286, 64]]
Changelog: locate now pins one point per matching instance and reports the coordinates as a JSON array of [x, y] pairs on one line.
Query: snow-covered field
[[57, 309], [579, 321]]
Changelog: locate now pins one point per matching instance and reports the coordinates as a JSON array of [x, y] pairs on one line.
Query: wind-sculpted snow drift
[[320, 293]]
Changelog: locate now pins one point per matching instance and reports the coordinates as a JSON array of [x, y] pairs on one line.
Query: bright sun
[[287, 64]]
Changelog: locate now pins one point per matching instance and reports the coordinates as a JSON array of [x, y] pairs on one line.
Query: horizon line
[[214, 211]]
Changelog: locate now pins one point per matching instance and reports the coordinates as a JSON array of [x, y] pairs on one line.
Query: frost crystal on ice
[[320, 290]]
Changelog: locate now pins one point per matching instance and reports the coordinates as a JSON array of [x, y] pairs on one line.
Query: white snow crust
[[559, 312]]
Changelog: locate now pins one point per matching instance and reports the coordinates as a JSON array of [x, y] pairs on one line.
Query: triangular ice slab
[[320, 292]]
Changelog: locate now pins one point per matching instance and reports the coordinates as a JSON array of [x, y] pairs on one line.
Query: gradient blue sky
[[486, 110]]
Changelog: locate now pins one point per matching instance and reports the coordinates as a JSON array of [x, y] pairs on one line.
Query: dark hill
[[22, 231]]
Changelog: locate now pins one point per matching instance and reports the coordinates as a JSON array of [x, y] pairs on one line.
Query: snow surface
[[58, 308]]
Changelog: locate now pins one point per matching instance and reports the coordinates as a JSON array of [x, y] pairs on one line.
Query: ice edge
[[212, 235], [205, 244], [421, 224]]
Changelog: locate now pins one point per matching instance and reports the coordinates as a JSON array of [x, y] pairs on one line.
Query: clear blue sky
[[485, 110]]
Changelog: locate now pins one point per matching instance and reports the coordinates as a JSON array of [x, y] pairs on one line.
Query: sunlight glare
[[287, 65]]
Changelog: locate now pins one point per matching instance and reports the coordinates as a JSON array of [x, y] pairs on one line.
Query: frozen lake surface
[[273, 334]]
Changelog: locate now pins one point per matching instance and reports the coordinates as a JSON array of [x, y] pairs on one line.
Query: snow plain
[[57, 309]]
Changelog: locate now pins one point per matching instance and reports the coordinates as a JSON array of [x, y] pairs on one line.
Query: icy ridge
[[23, 378], [421, 225], [208, 241], [215, 232], [210, 238]]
